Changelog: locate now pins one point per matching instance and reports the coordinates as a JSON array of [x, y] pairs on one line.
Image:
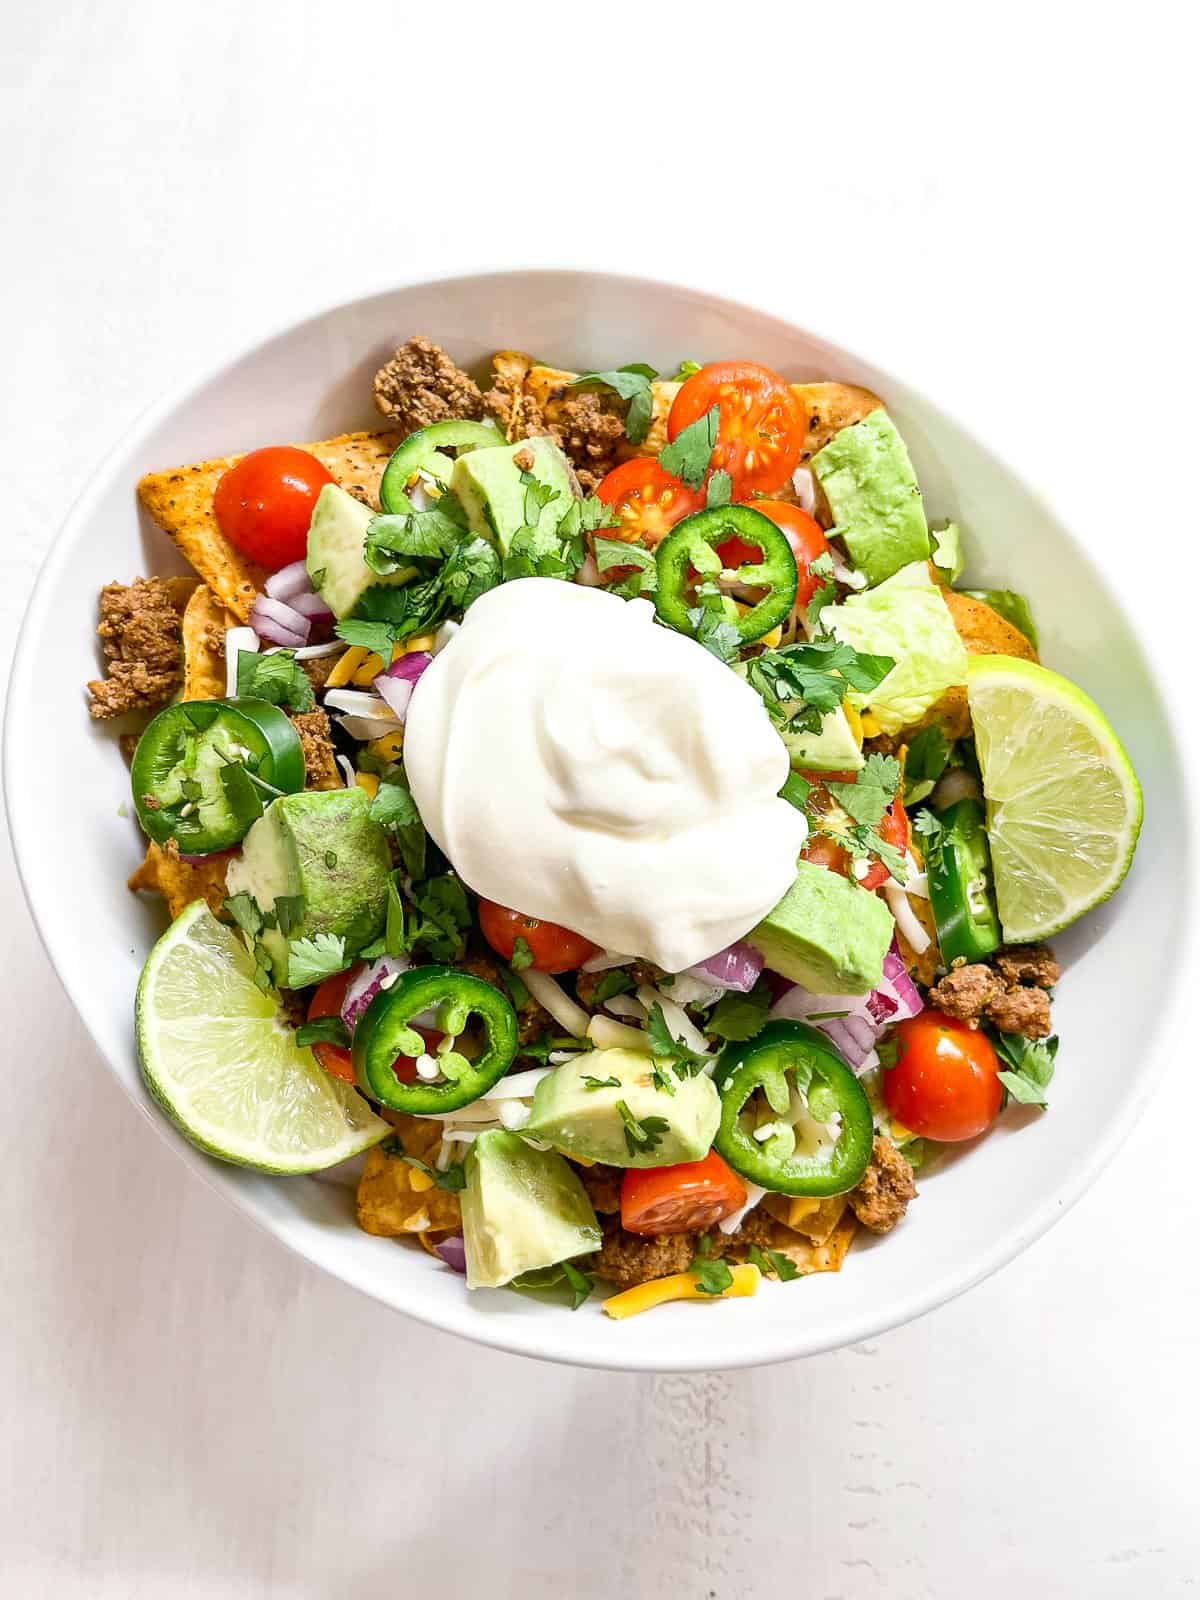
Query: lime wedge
[[219, 1057], [1064, 804]]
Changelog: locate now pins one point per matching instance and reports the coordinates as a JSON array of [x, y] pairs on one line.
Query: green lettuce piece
[[907, 619], [1012, 607], [873, 493], [948, 551]]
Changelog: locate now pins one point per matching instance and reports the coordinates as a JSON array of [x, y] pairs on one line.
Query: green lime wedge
[[220, 1059], [1064, 804]]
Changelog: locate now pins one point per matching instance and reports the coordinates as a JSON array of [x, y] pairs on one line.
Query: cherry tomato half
[[762, 423], [802, 532], [264, 503], [683, 1199], [944, 1084], [647, 501], [327, 1001], [554, 949]]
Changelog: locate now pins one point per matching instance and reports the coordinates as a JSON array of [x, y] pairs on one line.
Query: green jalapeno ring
[[692, 546], [385, 1032], [175, 770], [766, 1062], [423, 452], [959, 869]]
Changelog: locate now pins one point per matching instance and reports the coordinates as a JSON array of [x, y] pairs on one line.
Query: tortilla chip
[[180, 590], [180, 501], [388, 1203], [984, 632], [809, 1257], [815, 1219], [180, 882], [830, 407], [204, 625]]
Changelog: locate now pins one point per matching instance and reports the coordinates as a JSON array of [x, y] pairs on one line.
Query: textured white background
[[991, 200]]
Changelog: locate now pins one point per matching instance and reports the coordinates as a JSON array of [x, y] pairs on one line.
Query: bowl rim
[[536, 1339]]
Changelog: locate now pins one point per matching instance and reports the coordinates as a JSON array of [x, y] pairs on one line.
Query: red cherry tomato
[[802, 532], [762, 423], [554, 949], [944, 1084], [683, 1199], [825, 851], [894, 830], [327, 1001], [264, 503], [647, 501]]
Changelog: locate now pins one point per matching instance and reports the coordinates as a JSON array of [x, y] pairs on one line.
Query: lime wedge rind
[[248, 1095], [1033, 729]]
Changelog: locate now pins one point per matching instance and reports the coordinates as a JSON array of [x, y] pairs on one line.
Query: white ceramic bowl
[[74, 847]]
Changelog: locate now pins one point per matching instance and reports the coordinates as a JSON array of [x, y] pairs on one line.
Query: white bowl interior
[[76, 843]]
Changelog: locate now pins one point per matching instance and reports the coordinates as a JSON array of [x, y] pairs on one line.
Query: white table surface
[[996, 207]]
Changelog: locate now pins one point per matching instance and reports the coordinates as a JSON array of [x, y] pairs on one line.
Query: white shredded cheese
[[906, 918], [695, 989], [624, 1005], [347, 770], [679, 1024], [571, 1017], [606, 959], [309, 652], [606, 1033], [805, 486], [520, 1085], [237, 640], [513, 1114]]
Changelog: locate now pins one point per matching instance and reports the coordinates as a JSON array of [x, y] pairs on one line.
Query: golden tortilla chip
[[180, 590], [830, 407], [809, 1257], [204, 625], [180, 501], [180, 882], [984, 632], [395, 1197], [815, 1219]]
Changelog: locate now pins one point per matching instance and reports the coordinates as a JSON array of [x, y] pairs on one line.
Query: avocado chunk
[[490, 485], [320, 852], [832, 748], [337, 533], [826, 934], [873, 493], [522, 1209], [588, 1122]]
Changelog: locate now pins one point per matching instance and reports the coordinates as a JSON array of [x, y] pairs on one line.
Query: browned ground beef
[[420, 385], [1009, 992], [140, 633], [626, 1259], [603, 1185], [320, 769], [1028, 963], [887, 1186]]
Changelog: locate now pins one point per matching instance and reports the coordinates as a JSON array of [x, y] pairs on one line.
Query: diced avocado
[[588, 1122], [873, 493], [522, 1209], [336, 535], [489, 485], [322, 848], [833, 748], [826, 934]]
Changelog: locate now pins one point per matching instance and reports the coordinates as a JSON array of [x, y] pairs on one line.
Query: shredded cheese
[[906, 918], [608, 1034], [572, 1018], [679, 1286]]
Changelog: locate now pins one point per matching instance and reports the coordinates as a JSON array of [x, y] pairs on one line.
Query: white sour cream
[[580, 764]]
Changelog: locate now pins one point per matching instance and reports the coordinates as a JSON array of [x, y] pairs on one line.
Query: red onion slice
[[453, 1251], [396, 692], [408, 668], [737, 967], [368, 984], [289, 581], [863, 1018], [311, 606], [281, 624]]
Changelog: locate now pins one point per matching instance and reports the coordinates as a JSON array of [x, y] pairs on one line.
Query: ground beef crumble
[[140, 633], [626, 1259], [1010, 992], [420, 385], [320, 768], [881, 1199], [587, 427]]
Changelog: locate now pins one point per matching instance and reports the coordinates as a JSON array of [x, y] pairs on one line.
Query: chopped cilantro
[[564, 1275], [378, 637], [1032, 1066], [243, 908], [289, 912], [454, 1178], [928, 753], [712, 1276], [720, 489], [445, 915], [277, 678], [773, 1263], [395, 541], [684, 371], [741, 1016], [616, 554], [315, 959], [868, 797], [522, 955], [687, 1062], [632, 383], [518, 993], [615, 981], [241, 796], [642, 1136], [395, 809], [802, 683], [825, 594], [929, 826], [324, 1030], [591, 1082], [688, 455], [888, 1051]]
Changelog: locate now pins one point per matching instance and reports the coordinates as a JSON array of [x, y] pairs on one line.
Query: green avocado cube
[[522, 1209], [873, 493], [337, 534], [827, 934], [491, 486]]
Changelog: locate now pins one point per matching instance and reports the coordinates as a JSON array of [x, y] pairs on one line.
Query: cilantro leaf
[[888, 1051], [277, 678], [592, 1082], [773, 1263], [289, 912], [324, 1030], [868, 797], [394, 541], [712, 1276], [715, 632], [739, 1017], [241, 794], [615, 981], [826, 591], [684, 371], [563, 1275], [803, 683], [720, 489], [642, 1136], [378, 637], [243, 908], [687, 1062], [442, 905], [522, 955], [632, 383], [863, 842], [615, 553], [453, 1179], [688, 455], [315, 959], [928, 753], [929, 826], [1032, 1064], [395, 809]]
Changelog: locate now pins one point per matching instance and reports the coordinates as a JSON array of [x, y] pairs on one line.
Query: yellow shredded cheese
[[419, 1181], [420, 641], [855, 721], [871, 726], [370, 669], [367, 781], [346, 665], [388, 746], [679, 1286]]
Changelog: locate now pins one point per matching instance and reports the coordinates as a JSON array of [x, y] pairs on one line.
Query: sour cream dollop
[[577, 763]]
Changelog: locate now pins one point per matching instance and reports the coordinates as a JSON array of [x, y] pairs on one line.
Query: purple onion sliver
[[367, 985], [397, 692], [310, 605], [897, 980], [739, 967], [881, 1005], [408, 668], [289, 581], [453, 1251], [274, 634]]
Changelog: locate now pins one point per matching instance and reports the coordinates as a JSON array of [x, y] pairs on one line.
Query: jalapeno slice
[[457, 999], [786, 1060], [959, 868], [423, 451], [688, 557], [204, 769]]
